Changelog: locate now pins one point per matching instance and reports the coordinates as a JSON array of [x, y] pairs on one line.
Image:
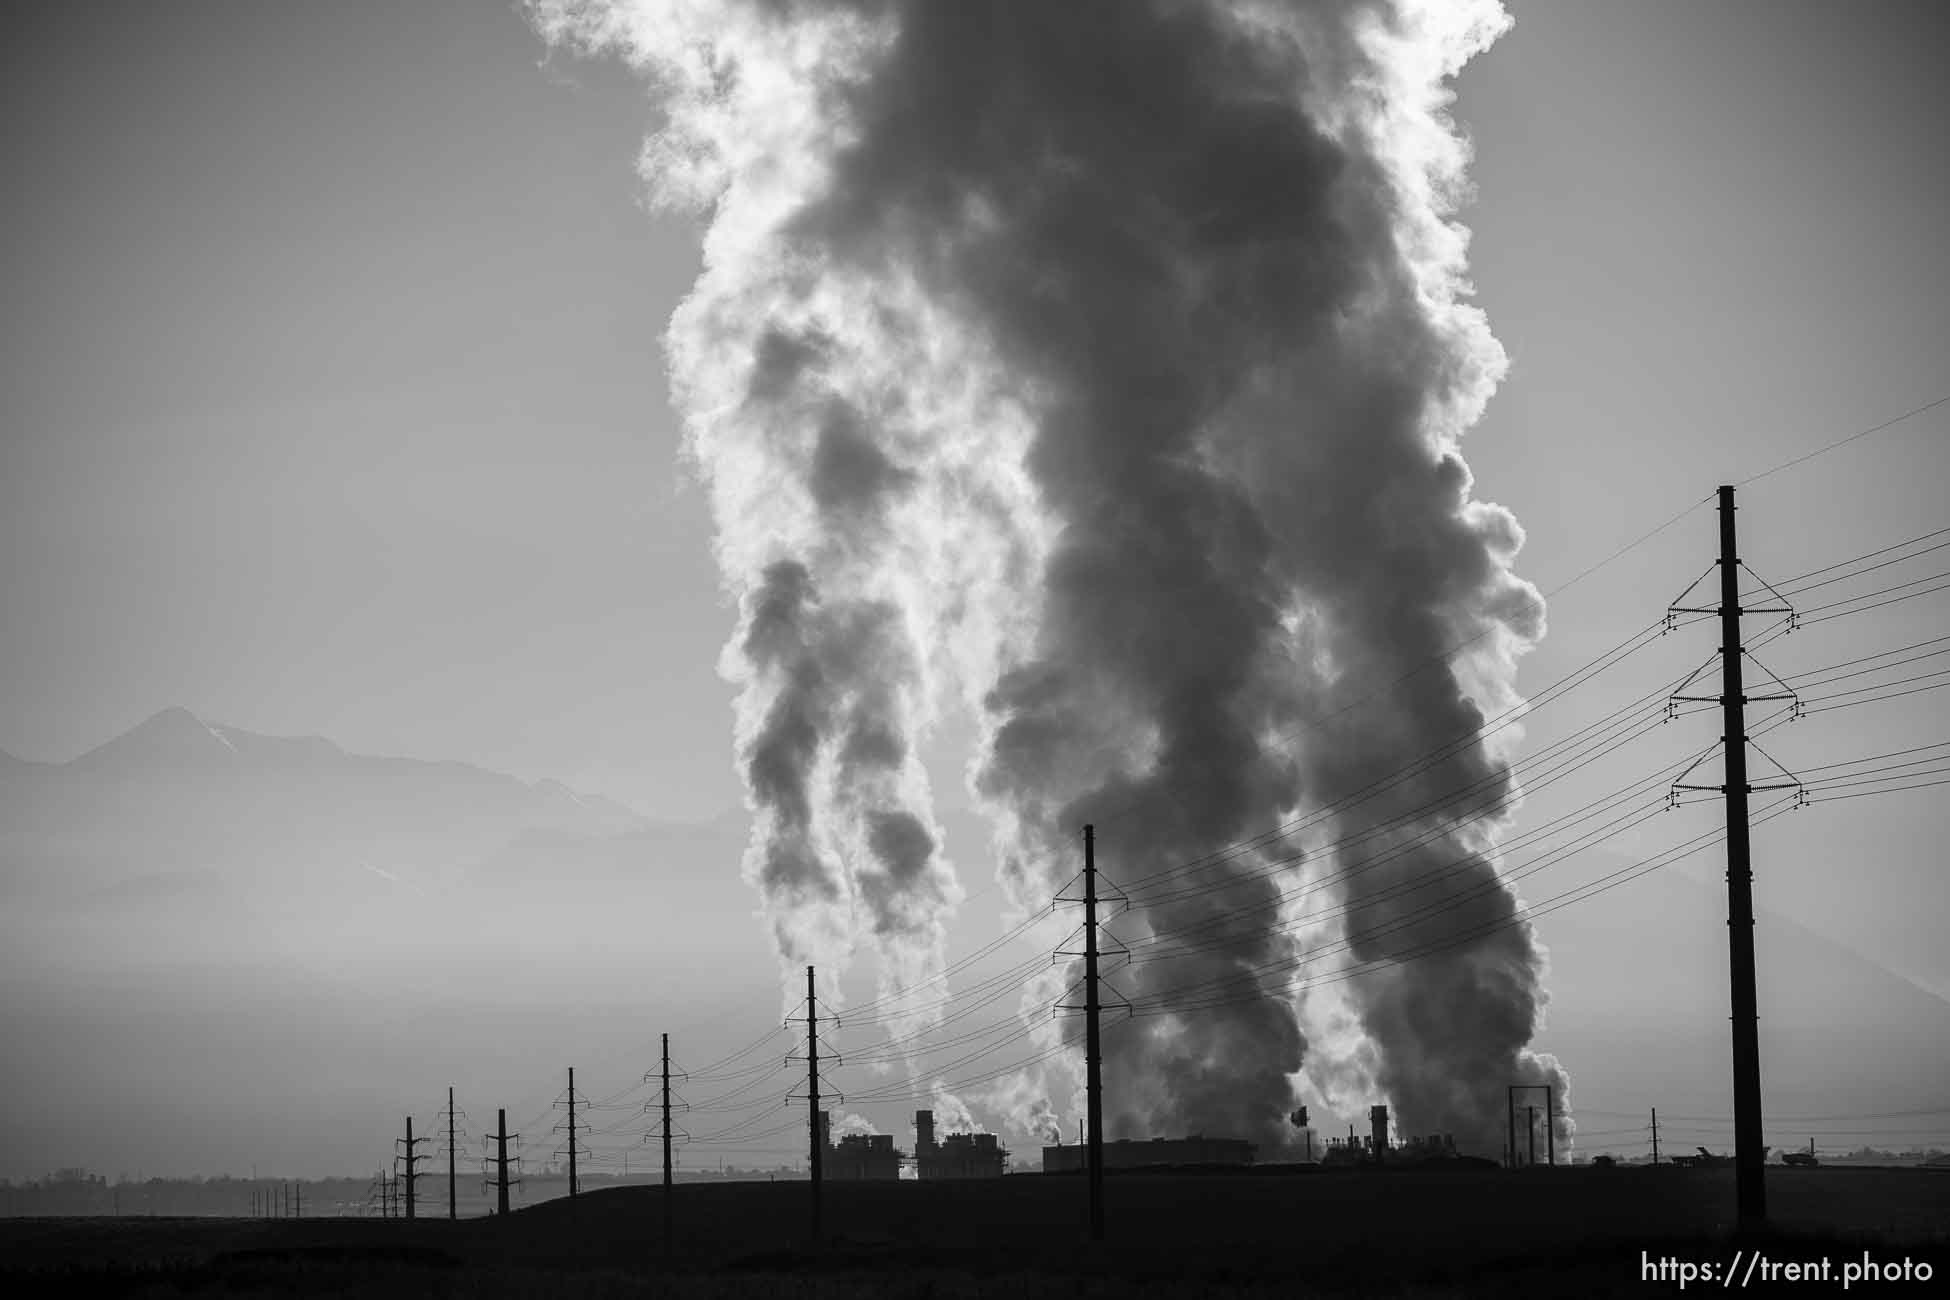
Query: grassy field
[[1570, 1232]]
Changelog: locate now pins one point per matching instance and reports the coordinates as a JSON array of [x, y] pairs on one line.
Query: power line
[[1891, 695], [1882, 591], [930, 1032], [1597, 807], [1864, 794], [1582, 893], [1842, 442], [1792, 588], [1569, 758], [1638, 640], [1803, 677], [1578, 894], [1881, 604]]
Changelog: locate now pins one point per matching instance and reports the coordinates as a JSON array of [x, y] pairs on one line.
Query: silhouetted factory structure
[[1126, 1154], [1375, 1147], [959, 1155], [863, 1156], [859, 1157], [1371, 1148], [873, 1156]]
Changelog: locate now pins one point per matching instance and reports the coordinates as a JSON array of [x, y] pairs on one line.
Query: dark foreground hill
[[1566, 1232]]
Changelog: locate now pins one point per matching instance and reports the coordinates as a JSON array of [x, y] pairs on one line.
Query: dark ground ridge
[[1363, 1233]]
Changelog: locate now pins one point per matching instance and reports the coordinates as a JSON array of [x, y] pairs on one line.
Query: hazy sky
[[333, 400]]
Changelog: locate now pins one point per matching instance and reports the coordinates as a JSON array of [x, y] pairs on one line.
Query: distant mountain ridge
[[230, 916], [177, 736], [177, 796]]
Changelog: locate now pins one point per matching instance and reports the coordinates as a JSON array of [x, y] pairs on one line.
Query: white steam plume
[[1108, 359]]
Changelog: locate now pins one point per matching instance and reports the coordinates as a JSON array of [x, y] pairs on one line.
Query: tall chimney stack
[[923, 1132]]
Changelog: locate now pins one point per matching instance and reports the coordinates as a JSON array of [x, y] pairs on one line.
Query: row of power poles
[[284, 1201], [398, 1195]]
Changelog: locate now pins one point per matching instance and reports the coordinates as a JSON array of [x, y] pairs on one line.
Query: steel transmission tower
[[1093, 1046], [574, 1128], [817, 1134], [411, 1158], [1749, 1153], [817, 1144], [453, 1211], [501, 1182], [1093, 1052], [667, 1104]]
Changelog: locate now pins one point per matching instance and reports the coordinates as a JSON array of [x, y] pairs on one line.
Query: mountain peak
[[175, 718], [172, 734]]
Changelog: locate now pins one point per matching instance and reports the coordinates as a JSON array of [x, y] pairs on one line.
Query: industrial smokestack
[[1109, 359], [923, 1132], [1378, 1119]]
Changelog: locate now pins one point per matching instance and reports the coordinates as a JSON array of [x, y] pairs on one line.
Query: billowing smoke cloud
[[851, 1125], [1022, 1100], [1108, 359], [951, 1113]]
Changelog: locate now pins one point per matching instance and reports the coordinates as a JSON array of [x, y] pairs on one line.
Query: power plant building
[[872, 1157], [1158, 1152], [863, 1157], [959, 1155], [1379, 1148]]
